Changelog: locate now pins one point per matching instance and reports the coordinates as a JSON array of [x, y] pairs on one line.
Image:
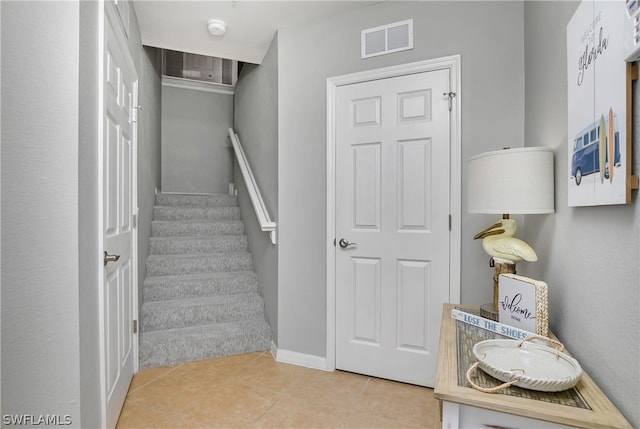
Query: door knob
[[344, 243], [110, 258]]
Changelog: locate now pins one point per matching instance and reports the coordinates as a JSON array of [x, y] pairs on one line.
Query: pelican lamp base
[[487, 311]]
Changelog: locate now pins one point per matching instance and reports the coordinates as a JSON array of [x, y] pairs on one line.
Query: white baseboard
[[299, 359]]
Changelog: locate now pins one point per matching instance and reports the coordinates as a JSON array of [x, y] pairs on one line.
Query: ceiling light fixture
[[216, 27]]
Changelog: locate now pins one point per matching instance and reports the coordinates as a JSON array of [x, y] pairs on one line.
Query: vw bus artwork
[[596, 149]]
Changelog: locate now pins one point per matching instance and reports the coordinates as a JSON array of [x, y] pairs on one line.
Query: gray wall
[[50, 322], [0, 200], [40, 237], [88, 216], [490, 39], [593, 294], [196, 154], [256, 122]]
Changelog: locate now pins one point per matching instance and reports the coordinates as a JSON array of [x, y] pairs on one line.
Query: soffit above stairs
[[251, 25]]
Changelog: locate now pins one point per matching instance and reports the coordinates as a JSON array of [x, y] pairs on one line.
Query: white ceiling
[[181, 25]]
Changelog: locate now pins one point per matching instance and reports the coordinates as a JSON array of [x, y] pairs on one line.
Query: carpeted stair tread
[[182, 313], [196, 200], [192, 245], [200, 294], [159, 265], [176, 346], [186, 227], [196, 213], [160, 288]]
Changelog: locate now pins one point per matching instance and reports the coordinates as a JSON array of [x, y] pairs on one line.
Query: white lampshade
[[511, 181]]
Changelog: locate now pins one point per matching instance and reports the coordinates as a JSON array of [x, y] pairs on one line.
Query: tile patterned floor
[[254, 391]]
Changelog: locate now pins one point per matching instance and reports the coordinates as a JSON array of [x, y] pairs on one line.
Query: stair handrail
[[266, 224]]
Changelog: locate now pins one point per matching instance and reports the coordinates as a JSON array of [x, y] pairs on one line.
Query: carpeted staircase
[[200, 294]]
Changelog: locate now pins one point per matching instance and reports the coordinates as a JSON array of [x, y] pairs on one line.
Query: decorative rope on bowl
[[488, 389], [558, 346]]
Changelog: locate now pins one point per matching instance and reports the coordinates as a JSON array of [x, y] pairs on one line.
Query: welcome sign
[[523, 303]]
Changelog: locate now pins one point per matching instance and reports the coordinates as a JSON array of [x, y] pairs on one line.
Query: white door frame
[[107, 12], [452, 63]]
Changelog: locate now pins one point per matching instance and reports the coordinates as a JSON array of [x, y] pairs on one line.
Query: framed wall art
[[599, 106]]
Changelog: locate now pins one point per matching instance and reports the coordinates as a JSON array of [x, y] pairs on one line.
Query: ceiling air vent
[[387, 39]]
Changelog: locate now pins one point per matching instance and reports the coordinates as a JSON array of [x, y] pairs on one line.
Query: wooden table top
[[599, 412]]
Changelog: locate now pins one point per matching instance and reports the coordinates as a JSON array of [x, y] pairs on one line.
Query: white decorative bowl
[[535, 366]]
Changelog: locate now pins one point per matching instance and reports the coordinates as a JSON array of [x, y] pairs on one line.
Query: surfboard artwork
[[611, 143], [603, 148]]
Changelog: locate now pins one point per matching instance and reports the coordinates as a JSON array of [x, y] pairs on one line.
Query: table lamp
[[509, 181]]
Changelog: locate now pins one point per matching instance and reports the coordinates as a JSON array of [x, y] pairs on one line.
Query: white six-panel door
[[392, 213], [119, 285]]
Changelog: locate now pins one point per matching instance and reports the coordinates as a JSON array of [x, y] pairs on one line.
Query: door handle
[[110, 258], [344, 243]]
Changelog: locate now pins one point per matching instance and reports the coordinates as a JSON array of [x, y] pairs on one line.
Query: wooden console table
[[464, 407]]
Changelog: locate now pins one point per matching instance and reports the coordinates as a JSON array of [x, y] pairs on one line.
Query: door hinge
[[449, 222], [134, 113], [135, 326], [450, 94]]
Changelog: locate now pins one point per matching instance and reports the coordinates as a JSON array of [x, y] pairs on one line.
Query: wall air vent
[[387, 39]]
